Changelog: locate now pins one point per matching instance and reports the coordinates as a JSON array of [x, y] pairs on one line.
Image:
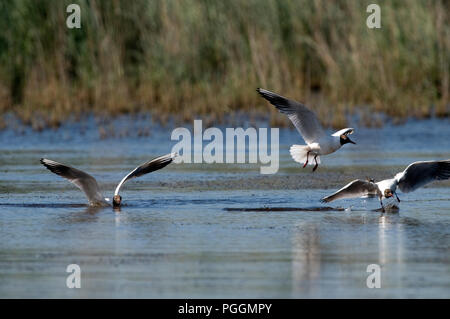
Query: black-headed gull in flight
[[307, 123], [89, 185], [414, 176]]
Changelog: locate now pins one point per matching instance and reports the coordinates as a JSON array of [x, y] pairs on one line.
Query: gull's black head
[[370, 180], [345, 139], [388, 193], [117, 200]]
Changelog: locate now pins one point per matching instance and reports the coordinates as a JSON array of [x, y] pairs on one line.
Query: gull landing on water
[[89, 185], [414, 176], [309, 127]]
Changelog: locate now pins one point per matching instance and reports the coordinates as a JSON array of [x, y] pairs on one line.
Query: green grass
[[192, 58]]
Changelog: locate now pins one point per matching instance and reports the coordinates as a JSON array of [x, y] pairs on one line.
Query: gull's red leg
[[317, 164], [306, 163]]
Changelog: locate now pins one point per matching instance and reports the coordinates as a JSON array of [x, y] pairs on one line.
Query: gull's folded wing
[[303, 118], [357, 188], [146, 168], [420, 173], [82, 180]]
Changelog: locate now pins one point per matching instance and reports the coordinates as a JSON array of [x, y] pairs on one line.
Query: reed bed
[[187, 59]]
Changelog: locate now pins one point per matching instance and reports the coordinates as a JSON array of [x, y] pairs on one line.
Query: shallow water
[[209, 231]]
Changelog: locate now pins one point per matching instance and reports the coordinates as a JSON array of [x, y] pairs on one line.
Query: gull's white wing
[[148, 167], [357, 188], [82, 180], [344, 131], [303, 118], [420, 173]]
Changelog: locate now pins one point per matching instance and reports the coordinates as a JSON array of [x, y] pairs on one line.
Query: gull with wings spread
[[414, 176], [89, 185], [307, 123]]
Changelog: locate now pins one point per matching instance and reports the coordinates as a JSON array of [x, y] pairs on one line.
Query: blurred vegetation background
[[190, 58]]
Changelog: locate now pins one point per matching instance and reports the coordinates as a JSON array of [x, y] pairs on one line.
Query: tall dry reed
[[190, 58]]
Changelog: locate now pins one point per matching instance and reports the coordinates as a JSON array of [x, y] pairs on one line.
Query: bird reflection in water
[[305, 257]]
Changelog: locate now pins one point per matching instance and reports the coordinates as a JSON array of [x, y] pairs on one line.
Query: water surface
[[186, 231]]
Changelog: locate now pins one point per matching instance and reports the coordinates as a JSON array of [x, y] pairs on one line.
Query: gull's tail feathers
[[299, 154]]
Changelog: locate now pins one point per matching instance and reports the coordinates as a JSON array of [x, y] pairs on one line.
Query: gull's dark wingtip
[[53, 166], [260, 91], [47, 165]]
